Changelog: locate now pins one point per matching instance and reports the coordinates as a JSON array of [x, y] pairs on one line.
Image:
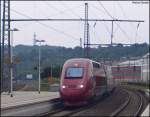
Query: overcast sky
[[68, 34]]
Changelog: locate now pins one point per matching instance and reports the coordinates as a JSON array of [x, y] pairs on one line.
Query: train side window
[[118, 68], [134, 68], [95, 65]]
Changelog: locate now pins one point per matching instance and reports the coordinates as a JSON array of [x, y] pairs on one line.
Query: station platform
[[26, 97], [146, 112]]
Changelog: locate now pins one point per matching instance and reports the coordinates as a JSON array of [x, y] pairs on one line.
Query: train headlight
[[81, 86], [63, 86]]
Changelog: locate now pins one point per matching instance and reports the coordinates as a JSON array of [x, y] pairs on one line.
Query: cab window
[[74, 72]]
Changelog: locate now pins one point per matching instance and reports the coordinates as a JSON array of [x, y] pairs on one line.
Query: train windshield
[[74, 72]]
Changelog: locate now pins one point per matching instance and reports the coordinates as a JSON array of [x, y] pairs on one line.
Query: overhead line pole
[[2, 54], [5, 44], [1, 43], [112, 32], [86, 31], [0, 22], [9, 46]]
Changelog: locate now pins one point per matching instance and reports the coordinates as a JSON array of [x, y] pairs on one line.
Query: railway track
[[132, 106], [69, 111], [31, 109], [105, 107], [140, 105], [129, 103], [122, 106]]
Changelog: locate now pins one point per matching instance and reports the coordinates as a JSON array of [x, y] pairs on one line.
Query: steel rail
[[122, 106], [30, 109], [65, 112], [53, 111], [140, 105]]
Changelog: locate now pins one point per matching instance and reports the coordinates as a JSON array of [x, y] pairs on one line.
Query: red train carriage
[[82, 79]]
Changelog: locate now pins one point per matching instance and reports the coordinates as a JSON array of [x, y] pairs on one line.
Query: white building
[[143, 62]]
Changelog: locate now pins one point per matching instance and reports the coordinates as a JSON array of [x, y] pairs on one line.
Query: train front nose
[[73, 92], [72, 83]]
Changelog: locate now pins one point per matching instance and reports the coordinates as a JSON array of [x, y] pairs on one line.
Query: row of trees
[[56, 56], [54, 71]]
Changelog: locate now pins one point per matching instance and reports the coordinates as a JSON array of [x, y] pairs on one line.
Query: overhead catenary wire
[[126, 16], [76, 20], [106, 10], [59, 11], [50, 27], [70, 9], [104, 23], [107, 29], [117, 26], [51, 6], [98, 8], [115, 22]]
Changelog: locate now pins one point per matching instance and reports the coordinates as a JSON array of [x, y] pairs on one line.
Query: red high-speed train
[[82, 79]]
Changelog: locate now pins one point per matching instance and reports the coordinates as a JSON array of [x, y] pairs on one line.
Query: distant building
[[132, 70]]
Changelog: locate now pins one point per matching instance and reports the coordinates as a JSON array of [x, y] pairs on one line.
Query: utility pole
[[112, 33], [86, 33], [81, 42], [11, 62], [0, 23], [88, 41], [34, 39], [5, 68], [1, 45], [39, 87]]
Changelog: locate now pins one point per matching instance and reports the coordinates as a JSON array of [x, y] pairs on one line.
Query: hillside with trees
[[55, 56]]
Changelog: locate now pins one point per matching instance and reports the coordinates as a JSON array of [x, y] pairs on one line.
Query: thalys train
[[83, 79]]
